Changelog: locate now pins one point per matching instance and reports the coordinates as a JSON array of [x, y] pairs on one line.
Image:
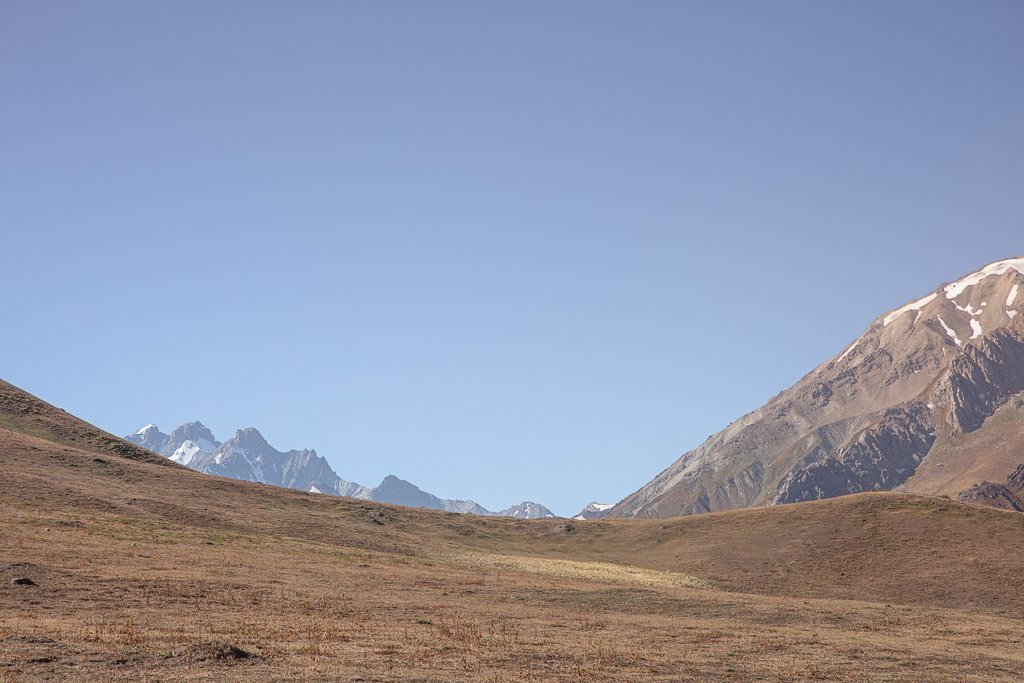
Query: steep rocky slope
[[908, 405]]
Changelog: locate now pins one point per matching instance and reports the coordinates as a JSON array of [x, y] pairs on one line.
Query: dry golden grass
[[143, 568], [122, 601], [603, 572]]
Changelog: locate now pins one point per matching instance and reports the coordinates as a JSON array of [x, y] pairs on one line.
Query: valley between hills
[[512, 342], [862, 525], [141, 569]]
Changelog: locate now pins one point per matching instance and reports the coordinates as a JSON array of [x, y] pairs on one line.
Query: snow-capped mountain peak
[[196, 432], [891, 411], [945, 300], [150, 437], [955, 289], [594, 511]]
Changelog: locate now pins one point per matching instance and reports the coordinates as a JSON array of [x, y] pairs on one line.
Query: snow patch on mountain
[[187, 452], [851, 347], [912, 306], [957, 288], [949, 331], [594, 511]]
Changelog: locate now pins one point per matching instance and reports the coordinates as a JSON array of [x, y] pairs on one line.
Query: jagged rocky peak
[[149, 437], [196, 432], [193, 430], [250, 437], [392, 485], [189, 441], [884, 413]]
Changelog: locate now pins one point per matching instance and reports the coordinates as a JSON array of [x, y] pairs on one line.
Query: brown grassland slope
[[148, 571]]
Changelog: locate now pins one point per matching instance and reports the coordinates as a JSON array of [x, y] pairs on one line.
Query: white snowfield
[[188, 450], [998, 268], [913, 306], [955, 289], [145, 429]]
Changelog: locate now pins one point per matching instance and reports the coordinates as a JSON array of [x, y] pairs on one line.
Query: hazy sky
[[505, 250]]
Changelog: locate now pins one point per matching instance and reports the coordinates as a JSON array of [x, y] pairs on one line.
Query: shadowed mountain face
[[927, 400], [249, 457], [1007, 496]]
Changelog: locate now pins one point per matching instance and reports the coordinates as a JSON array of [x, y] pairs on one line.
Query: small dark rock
[[379, 517], [23, 581]]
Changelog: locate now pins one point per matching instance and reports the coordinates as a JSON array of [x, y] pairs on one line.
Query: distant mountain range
[[929, 399], [248, 456]]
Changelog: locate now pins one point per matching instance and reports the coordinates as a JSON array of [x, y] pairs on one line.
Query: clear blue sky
[[505, 250]]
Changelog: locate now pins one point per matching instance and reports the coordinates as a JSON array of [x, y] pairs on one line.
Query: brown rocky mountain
[[928, 400]]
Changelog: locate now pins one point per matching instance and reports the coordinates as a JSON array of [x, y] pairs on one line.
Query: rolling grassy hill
[[144, 569]]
